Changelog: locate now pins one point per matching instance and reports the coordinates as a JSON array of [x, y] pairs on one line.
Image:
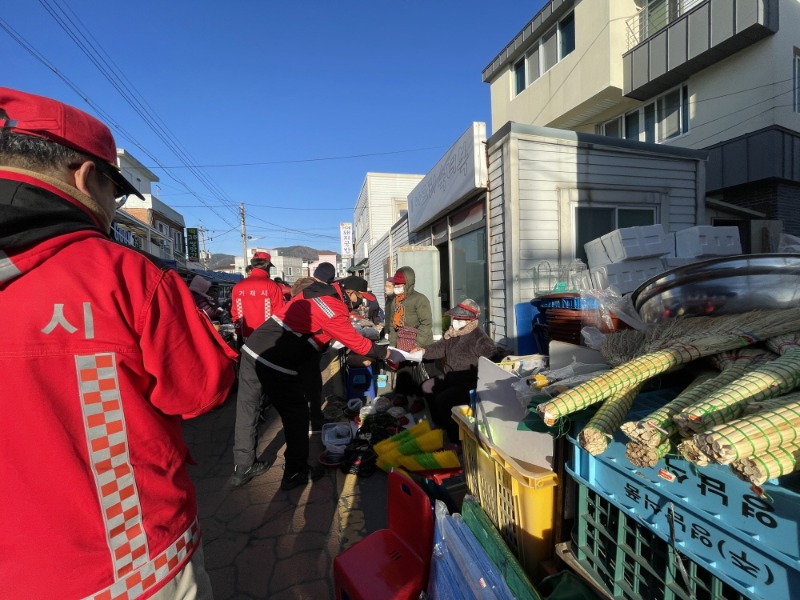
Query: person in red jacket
[[255, 298], [279, 352], [108, 355]]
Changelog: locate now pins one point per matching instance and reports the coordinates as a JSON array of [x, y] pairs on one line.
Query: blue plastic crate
[[766, 515], [749, 564], [631, 562]]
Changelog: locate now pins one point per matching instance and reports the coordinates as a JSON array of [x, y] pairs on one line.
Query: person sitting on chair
[[458, 352]]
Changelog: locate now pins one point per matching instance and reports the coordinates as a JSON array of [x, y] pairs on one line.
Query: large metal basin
[[727, 285]]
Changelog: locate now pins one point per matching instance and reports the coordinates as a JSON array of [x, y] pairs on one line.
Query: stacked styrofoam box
[[596, 254], [632, 243], [628, 275], [627, 257], [707, 241]]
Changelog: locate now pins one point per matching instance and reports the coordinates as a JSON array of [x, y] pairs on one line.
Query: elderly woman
[[458, 352]]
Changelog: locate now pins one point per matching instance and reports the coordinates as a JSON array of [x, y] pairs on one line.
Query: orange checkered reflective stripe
[[137, 582], [107, 443]]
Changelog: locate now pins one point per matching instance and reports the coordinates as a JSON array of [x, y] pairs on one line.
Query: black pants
[[441, 403], [287, 394], [311, 374]]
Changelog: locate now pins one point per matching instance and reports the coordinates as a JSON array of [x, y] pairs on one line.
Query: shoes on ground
[[416, 405], [242, 475], [298, 478]]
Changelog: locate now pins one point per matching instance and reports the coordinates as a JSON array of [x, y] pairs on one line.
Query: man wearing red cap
[[96, 499], [255, 298]]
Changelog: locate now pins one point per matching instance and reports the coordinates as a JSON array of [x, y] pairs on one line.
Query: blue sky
[[284, 106]]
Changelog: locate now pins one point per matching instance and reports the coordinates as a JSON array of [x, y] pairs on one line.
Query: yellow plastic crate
[[521, 503]]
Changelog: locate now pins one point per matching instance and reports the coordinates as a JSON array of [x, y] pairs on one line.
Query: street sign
[[346, 235], [192, 245]]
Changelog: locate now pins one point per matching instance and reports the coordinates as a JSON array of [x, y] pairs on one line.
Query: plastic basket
[[630, 562], [712, 492], [520, 503], [748, 564]]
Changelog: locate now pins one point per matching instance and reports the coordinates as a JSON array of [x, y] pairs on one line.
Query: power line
[[302, 160]]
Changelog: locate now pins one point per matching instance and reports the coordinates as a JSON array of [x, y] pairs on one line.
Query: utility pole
[[244, 238], [203, 253]]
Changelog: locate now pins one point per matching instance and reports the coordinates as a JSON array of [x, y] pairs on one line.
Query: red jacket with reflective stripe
[[104, 354], [313, 315], [254, 300]]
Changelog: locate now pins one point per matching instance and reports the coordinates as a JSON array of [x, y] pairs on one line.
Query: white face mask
[[458, 324], [399, 289]]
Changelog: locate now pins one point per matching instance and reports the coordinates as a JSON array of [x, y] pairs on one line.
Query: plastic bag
[[460, 568], [608, 310]]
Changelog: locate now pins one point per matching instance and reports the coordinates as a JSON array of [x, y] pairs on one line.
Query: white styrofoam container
[[627, 276], [596, 254], [632, 243], [672, 262], [707, 240], [669, 242]]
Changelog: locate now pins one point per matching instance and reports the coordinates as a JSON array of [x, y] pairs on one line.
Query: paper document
[[397, 356]]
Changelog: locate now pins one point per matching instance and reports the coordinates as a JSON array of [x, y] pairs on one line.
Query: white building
[[383, 199], [703, 74], [150, 224]]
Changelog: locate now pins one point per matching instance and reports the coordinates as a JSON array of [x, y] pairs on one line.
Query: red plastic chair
[[390, 563]]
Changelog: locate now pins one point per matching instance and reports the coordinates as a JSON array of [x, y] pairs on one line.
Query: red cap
[[368, 295], [399, 278], [50, 119], [262, 256]]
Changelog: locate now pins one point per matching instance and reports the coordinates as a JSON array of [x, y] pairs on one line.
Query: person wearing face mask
[[408, 312], [458, 352]]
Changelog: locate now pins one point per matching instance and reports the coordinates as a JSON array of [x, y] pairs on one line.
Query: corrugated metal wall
[[535, 183]]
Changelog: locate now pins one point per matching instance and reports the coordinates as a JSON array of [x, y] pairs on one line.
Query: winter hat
[[358, 284], [399, 278], [325, 272], [200, 284], [466, 310]]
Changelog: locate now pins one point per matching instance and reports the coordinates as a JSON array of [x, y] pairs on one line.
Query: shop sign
[[192, 245], [123, 236], [346, 235], [458, 173]]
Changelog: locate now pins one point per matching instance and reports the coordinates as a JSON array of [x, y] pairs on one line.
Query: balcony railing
[[654, 17]]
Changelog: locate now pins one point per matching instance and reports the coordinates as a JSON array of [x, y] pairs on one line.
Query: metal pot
[[726, 285]]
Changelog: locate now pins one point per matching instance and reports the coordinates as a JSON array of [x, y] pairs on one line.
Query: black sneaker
[[241, 475], [298, 478]]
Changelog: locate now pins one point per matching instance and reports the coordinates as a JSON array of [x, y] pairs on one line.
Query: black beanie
[[325, 272]]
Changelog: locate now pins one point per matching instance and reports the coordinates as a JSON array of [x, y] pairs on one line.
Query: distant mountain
[[304, 252], [224, 261]]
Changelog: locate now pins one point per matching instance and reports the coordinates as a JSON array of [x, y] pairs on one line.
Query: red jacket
[[104, 356], [254, 300], [314, 317]]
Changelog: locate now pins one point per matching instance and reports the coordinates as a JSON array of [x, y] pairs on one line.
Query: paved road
[[261, 542]]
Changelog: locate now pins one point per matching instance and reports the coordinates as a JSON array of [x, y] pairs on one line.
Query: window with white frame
[[797, 80], [546, 52], [594, 221], [662, 119], [178, 241], [162, 228]]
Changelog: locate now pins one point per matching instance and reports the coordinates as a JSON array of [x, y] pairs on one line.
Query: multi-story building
[[166, 221], [720, 76], [383, 199]]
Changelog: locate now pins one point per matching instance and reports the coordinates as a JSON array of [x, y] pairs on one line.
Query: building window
[[162, 228], [519, 76], [592, 222], [663, 119], [797, 80], [178, 241], [545, 53], [566, 35]]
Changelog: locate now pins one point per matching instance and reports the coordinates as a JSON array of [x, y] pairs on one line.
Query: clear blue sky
[[318, 92]]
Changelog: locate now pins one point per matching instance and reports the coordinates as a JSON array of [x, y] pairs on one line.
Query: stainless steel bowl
[[727, 285]]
